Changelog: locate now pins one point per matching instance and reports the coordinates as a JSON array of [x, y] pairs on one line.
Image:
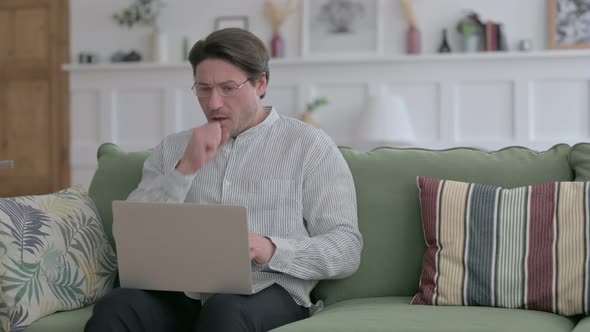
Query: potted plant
[[147, 13], [277, 16], [413, 35], [312, 107]]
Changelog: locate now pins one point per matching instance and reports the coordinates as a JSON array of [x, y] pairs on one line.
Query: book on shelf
[[495, 37], [491, 38]]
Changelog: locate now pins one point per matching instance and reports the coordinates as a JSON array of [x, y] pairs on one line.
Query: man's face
[[222, 99]]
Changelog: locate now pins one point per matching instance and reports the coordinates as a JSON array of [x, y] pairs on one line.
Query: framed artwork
[[569, 24], [223, 22], [342, 27]]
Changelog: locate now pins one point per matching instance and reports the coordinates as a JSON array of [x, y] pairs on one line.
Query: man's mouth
[[219, 118]]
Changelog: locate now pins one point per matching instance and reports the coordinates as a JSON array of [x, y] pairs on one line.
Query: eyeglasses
[[226, 89]]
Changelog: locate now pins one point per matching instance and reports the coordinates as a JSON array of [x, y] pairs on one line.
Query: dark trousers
[[127, 310]]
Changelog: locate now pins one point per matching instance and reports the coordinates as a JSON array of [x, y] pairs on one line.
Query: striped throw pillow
[[524, 248]]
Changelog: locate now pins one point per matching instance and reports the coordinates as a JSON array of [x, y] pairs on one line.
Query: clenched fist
[[203, 144]]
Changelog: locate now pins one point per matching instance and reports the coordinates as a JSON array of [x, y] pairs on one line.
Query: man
[[297, 187]]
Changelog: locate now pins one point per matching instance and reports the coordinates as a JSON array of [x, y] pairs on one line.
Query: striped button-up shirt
[[298, 191]]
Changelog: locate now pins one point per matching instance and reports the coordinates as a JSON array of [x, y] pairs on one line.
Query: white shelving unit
[[486, 100]]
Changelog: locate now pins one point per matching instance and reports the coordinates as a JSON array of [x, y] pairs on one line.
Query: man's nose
[[215, 100]]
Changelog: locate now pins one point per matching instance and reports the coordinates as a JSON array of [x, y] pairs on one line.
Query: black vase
[[444, 45]]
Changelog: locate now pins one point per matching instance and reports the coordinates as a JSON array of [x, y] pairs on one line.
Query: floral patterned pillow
[[54, 256]]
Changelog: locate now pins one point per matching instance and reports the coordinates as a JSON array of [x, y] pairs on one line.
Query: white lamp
[[385, 122]]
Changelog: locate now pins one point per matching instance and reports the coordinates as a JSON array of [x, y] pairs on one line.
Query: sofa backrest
[[388, 204], [117, 175], [389, 207]]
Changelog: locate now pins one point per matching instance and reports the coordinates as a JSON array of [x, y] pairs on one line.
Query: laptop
[[182, 247]]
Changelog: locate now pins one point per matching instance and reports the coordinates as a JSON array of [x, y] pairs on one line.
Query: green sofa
[[377, 297]]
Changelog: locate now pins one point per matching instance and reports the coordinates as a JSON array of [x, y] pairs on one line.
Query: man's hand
[[203, 144], [261, 248]]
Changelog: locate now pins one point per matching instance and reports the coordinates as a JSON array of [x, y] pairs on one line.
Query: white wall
[[94, 30], [486, 100]]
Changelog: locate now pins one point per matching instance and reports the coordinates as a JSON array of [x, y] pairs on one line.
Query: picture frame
[[569, 24], [342, 28], [222, 22]]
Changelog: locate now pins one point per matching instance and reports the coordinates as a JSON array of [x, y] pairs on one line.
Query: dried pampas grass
[[409, 12], [278, 14]]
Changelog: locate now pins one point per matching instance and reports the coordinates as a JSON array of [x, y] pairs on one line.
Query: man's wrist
[[273, 247], [182, 168]]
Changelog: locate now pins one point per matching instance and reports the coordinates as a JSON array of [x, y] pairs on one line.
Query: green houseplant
[[147, 13], [312, 107], [143, 12]]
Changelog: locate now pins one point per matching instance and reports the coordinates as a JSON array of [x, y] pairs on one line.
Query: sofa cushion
[[396, 314], [67, 321], [389, 207], [513, 248], [579, 157], [56, 255], [117, 175], [4, 314], [583, 325]]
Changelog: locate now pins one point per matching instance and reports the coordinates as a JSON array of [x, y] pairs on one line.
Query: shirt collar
[[271, 118]]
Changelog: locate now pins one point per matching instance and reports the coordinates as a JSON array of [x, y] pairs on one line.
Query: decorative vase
[[159, 42], [471, 43], [525, 45], [413, 40], [277, 46], [308, 118], [502, 39]]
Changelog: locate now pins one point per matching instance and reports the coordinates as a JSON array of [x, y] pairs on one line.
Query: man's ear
[[261, 85]]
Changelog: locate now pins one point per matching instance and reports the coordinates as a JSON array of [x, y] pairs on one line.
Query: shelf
[[482, 56], [108, 66]]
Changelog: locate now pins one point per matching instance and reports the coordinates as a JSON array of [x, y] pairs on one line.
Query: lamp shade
[[385, 121]]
